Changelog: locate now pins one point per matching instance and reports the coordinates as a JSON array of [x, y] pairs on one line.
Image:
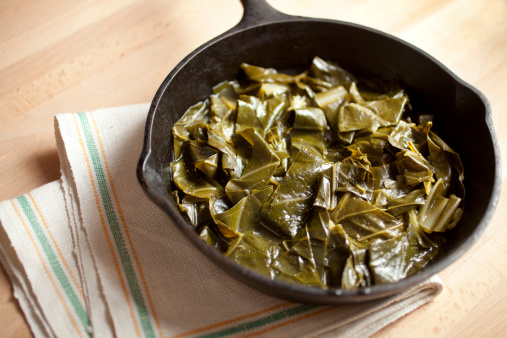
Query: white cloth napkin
[[90, 255]]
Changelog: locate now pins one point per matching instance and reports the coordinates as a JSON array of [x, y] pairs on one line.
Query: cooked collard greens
[[312, 180]]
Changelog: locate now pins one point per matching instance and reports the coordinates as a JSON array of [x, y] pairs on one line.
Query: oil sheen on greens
[[311, 180]]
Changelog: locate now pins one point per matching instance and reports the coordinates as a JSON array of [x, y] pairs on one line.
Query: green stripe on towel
[[54, 262], [279, 316], [115, 228]]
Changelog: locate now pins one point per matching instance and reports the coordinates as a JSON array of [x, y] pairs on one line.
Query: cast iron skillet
[[268, 38]]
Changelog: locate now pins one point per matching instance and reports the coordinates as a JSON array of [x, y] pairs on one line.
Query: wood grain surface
[[69, 56]]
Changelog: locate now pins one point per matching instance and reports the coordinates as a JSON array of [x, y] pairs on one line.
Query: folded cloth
[[90, 255]]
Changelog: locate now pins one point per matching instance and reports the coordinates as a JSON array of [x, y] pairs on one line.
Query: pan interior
[[460, 114]]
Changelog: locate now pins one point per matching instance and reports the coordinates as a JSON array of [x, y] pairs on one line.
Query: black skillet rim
[[300, 292]]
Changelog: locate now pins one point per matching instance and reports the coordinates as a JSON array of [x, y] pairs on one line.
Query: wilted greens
[[310, 179]]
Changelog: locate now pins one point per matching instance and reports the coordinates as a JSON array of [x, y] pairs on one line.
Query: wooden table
[[67, 56]]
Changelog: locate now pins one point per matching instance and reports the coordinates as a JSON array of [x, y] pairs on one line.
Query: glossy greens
[[313, 179]]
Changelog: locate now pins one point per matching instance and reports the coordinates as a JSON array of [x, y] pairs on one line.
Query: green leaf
[[265, 75], [256, 250], [244, 215], [197, 114], [231, 162], [438, 212], [445, 161], [414, 168], [196, 209], [306, 260], [373, 148], [193, 184], [329, 245], [273, 108], [402, 256], [308, 130], [405, 133], [330, 102], [354, 117], [389, 109], [450, 215], [196, 152], [227, 93], [209, 166], [210, 238], [412, 200], [330, 72], [310, 85], [356, 272], [336, 255], [355, 179], [362, 221], [326, 192], [286, 211], [258, 171]]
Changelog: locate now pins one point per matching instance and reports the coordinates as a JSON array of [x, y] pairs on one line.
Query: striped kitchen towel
[[90, 255]]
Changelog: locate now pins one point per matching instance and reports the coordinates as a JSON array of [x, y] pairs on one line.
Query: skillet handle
[[257, 12]]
